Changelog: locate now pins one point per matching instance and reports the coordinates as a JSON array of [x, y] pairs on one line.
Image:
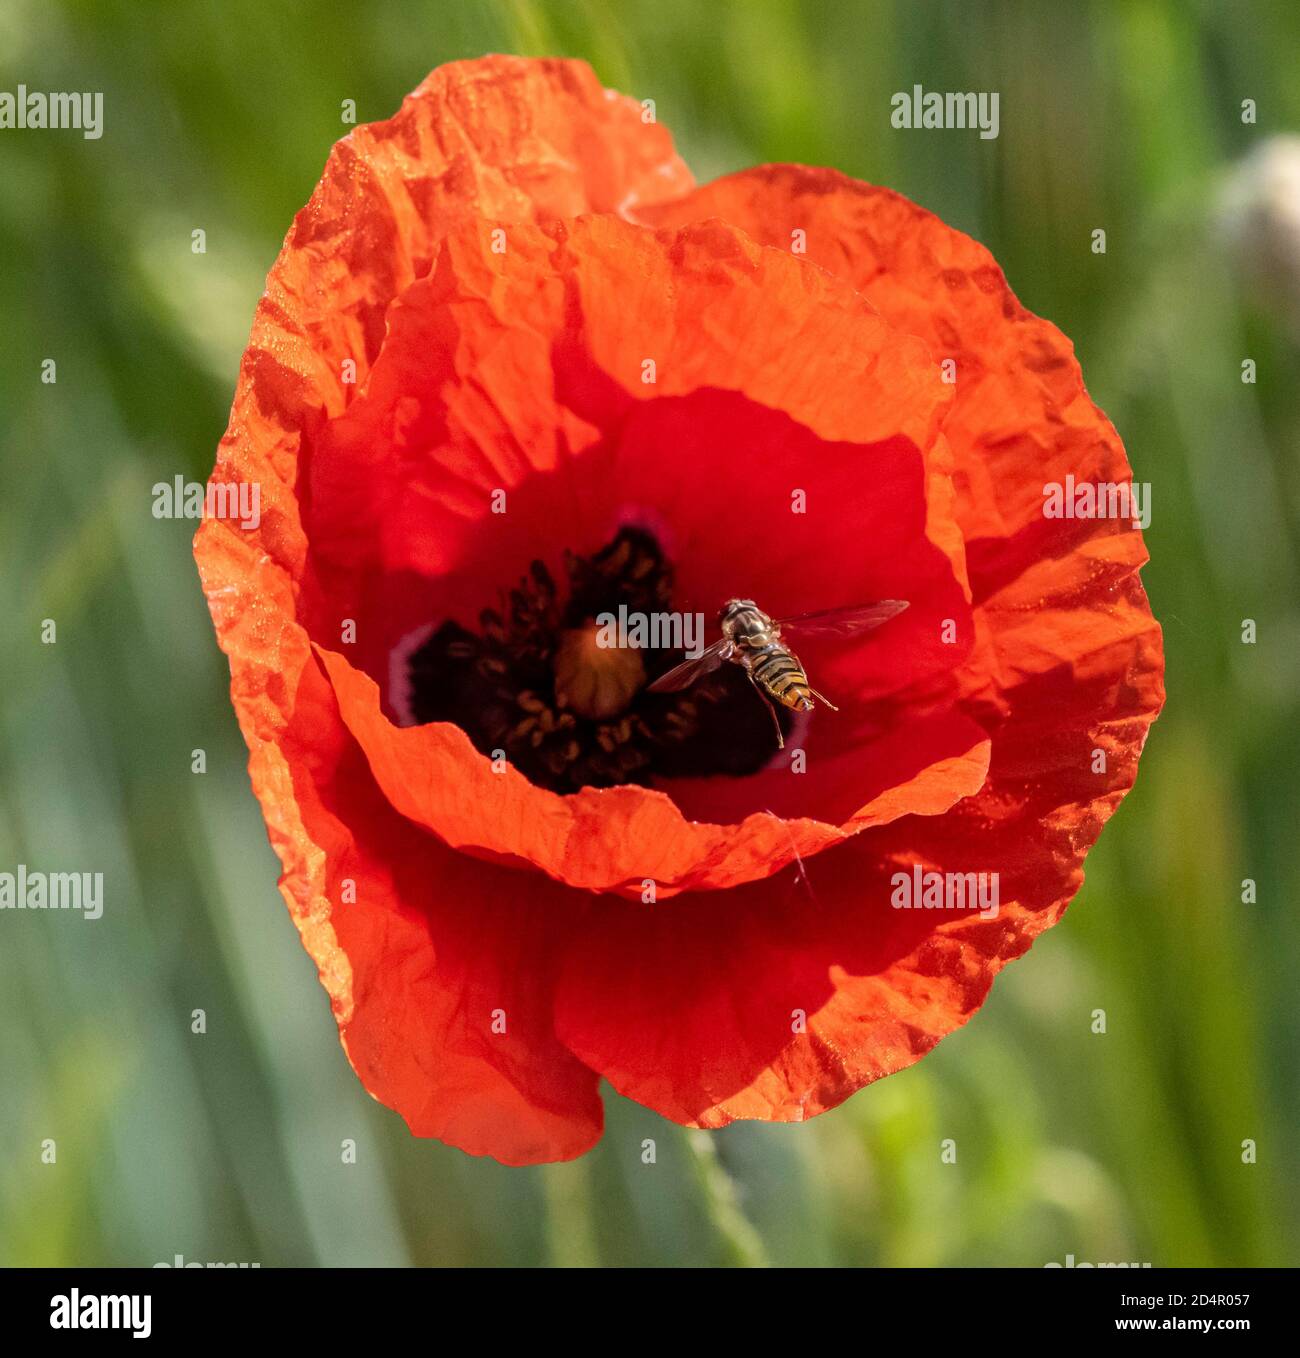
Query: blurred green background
[[219, 116]]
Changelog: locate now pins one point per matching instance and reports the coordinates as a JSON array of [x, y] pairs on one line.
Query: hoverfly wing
[[684, 675], [844, 622]]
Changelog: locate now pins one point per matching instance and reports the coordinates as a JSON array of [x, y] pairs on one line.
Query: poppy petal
[[407, 480], [1070, 677], [516, 140], [779, 999], [1020, 418], [445, 1011], [614, 839]]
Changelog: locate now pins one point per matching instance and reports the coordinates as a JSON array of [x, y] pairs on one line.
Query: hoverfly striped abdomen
[[777, 671]]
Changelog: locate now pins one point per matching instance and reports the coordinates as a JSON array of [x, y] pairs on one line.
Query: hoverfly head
[[734, 606]]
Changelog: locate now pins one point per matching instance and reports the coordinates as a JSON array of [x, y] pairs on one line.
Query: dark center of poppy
[[537, 683]]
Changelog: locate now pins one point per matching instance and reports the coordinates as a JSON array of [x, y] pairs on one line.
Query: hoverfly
[[752, 639]]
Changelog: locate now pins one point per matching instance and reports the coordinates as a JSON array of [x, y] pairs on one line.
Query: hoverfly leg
[[821, 698], [767, 702]]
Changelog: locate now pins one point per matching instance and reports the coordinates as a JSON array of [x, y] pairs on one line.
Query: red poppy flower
[[512, 371]]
